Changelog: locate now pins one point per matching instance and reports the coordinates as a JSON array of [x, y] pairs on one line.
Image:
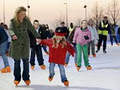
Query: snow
[[105, 74]]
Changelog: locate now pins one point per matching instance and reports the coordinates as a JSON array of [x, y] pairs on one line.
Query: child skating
[[81, 37], [58, 47]]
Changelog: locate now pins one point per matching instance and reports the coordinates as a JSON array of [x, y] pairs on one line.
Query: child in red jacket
[[58, 47]]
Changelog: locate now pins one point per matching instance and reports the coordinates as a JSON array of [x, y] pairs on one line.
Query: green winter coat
[[19, 49]]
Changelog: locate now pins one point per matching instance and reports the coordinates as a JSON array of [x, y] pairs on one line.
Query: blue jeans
[[62, 71], [38, 51], [44, 48], [68, 56], [3, 48], [17, 70]]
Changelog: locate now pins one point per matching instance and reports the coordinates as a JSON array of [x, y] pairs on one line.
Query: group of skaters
[[62, 43]]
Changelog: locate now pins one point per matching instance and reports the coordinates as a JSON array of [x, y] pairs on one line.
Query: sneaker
[[66, 64], [94, 55], [27, 82], [43, 67], [104, 51], [32, 67], [78, 68], [66, 83], [89, 67], [50, 79], [97, 51], [16, 82]]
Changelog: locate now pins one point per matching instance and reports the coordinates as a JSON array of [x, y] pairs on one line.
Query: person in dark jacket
[[104, 29], [44, 29], [3, 49], [118, 35], [36, 48], [70, 40], [64, 28], [113, 34]]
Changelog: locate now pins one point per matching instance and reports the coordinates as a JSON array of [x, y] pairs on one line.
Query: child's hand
[[38, 40]]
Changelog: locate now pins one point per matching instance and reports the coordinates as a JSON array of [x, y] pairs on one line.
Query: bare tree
[[58, 21], [114, 11], [97, 14]]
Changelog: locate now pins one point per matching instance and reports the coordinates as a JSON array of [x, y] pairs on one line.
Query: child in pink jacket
[[81, 37]]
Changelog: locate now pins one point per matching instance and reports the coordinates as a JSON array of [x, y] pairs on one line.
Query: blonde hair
[[62, 42], [18, 10]]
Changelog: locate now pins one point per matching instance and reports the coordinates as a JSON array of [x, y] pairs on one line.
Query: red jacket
[[57, 55]]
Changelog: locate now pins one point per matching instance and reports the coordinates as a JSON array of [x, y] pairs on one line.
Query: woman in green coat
[[19, 48]]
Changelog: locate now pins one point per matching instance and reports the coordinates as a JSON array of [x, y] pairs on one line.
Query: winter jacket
[[20, 48], [3, 35], [79, 36], [94, 34], [57, 55]]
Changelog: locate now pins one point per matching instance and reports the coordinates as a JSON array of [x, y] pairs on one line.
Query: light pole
[[85, 6], [66, 14], [28, 9], [3, 11]]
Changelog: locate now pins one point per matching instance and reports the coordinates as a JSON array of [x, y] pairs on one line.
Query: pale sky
[[48, 11]]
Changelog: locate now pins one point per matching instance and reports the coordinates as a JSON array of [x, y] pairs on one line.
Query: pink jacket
[[79, 36]]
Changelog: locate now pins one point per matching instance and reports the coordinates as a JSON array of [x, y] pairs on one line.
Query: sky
[[49, 11]]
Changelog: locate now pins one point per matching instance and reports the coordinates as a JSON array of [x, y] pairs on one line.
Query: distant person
[[104, 29], [20, 44], [118, 33], [9, 38], [113, 34], [36, 48], [62, 26], [94, 38], [3, 49], [70, 40], [81, 37], [44, 30]]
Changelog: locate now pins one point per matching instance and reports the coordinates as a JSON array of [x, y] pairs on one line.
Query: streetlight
[[3, 11], [66, 14], [85, 6], [28, 8]]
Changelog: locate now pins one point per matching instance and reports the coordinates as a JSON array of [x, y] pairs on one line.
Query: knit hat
[[60, 31]]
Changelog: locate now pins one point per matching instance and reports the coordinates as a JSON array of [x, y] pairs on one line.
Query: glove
[[86, 37], [74, 44]]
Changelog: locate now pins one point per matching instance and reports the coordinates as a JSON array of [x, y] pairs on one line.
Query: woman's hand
[[38, 40], [14, 37]]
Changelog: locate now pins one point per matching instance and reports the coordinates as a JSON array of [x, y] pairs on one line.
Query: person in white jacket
[[94, 38]]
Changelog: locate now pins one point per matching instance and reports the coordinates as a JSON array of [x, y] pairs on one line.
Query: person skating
[[104, 29], [94, 38], [19, 48], [3, 49], [58, 47], [113, 34], [36, 48], [70, 40], [81, 37]]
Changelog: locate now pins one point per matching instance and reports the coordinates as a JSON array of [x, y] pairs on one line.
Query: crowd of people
[[59, 44]]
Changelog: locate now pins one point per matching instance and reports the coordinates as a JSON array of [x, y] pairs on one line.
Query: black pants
[[17, 70], [111, 39], [104, 39], [38, 52]]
